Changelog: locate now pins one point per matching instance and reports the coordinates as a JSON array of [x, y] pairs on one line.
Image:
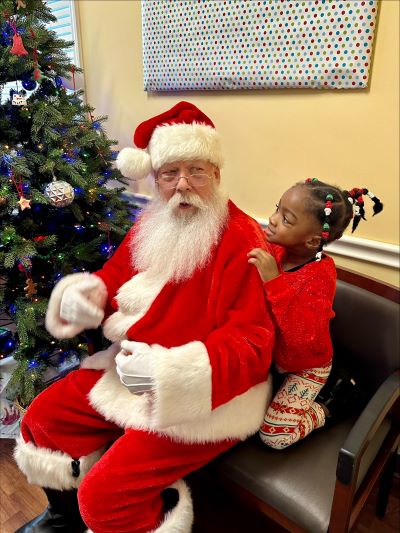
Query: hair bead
[[334, 213], [358, 206]]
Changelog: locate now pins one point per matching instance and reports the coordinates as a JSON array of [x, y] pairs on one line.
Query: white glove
[[134, 366], [83, 302]]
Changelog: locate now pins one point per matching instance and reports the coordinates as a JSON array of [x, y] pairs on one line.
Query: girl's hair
[[334, 208]]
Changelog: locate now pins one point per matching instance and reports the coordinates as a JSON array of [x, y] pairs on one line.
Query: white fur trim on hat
[[180, 142], [134, 163]]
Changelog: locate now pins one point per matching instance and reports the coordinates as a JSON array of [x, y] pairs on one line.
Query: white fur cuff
[[180, 518], [182, 384], [51, 469]]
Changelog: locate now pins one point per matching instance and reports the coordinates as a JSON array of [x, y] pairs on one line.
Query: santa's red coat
[[211, 336], [211, 339]]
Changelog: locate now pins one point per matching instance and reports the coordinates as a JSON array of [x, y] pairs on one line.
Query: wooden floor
[[20, 502]]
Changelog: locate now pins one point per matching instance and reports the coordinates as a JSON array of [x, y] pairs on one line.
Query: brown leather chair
[[321, 483]]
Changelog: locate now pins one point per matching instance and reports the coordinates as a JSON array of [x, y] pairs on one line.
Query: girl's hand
[[265, 264]]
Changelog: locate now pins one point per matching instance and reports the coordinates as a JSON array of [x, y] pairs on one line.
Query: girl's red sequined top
[[301, 304]]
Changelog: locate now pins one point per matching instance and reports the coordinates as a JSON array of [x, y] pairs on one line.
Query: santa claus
[[186, 375]]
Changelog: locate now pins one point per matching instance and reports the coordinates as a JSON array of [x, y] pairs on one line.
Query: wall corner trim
[[378, 252]]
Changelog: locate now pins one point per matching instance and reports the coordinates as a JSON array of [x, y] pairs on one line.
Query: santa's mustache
[[186, 198]]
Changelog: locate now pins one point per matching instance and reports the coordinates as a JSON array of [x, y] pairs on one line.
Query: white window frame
[[69, 31]]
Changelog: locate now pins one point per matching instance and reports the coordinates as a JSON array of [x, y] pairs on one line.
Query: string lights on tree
[[57, 213]]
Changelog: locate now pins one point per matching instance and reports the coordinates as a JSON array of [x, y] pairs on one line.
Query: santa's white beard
[[173, 244]]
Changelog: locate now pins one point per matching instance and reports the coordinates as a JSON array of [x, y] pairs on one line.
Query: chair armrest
[[365, 427]]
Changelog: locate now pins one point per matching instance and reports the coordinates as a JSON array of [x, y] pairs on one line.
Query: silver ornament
[[59, 193]]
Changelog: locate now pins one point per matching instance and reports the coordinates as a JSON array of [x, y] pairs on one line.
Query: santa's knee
[[94, 501], [37, 420], [105, 506]]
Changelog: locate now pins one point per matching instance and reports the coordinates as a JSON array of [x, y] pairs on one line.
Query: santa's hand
[[134, 366], [82, 303]]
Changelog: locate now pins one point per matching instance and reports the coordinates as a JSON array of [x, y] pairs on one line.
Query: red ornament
[[18, 46], [39, 238], [328, 203], [325, 234]]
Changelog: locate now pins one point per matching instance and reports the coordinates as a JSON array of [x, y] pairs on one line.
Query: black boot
[[341, 396], [61, 515]]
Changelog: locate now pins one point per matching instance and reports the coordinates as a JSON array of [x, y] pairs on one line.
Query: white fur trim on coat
[[181, 142], [55, 325], [134, 300], [49, 468], [180, 518], [237, 419]]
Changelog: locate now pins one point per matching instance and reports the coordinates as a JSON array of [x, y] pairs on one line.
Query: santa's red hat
[[181, 133]]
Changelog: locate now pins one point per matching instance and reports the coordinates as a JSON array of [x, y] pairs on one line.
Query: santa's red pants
[[121, 493]]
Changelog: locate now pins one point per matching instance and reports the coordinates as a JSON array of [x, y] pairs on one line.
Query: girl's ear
[[313, 242]]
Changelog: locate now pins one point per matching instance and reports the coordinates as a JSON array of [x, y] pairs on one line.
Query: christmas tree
[[57, 214]]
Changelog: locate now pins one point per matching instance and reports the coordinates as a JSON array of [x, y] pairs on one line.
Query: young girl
[[300, 282]]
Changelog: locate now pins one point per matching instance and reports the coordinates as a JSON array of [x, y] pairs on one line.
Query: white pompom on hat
[[181, 133]]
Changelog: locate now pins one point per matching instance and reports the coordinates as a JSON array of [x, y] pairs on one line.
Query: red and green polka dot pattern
[[270, 44]]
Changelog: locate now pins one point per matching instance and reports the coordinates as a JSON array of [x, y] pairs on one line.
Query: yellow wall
[[271, 138]]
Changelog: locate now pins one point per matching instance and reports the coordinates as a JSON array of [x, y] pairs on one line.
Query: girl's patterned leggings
[[293, 413]]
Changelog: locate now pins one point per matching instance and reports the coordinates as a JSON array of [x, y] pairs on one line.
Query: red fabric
[[181, 113], [222, 305], [301, 304], [122, 491], [54, 415]]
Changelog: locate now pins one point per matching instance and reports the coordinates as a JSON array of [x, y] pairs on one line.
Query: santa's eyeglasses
[[170, 179]]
